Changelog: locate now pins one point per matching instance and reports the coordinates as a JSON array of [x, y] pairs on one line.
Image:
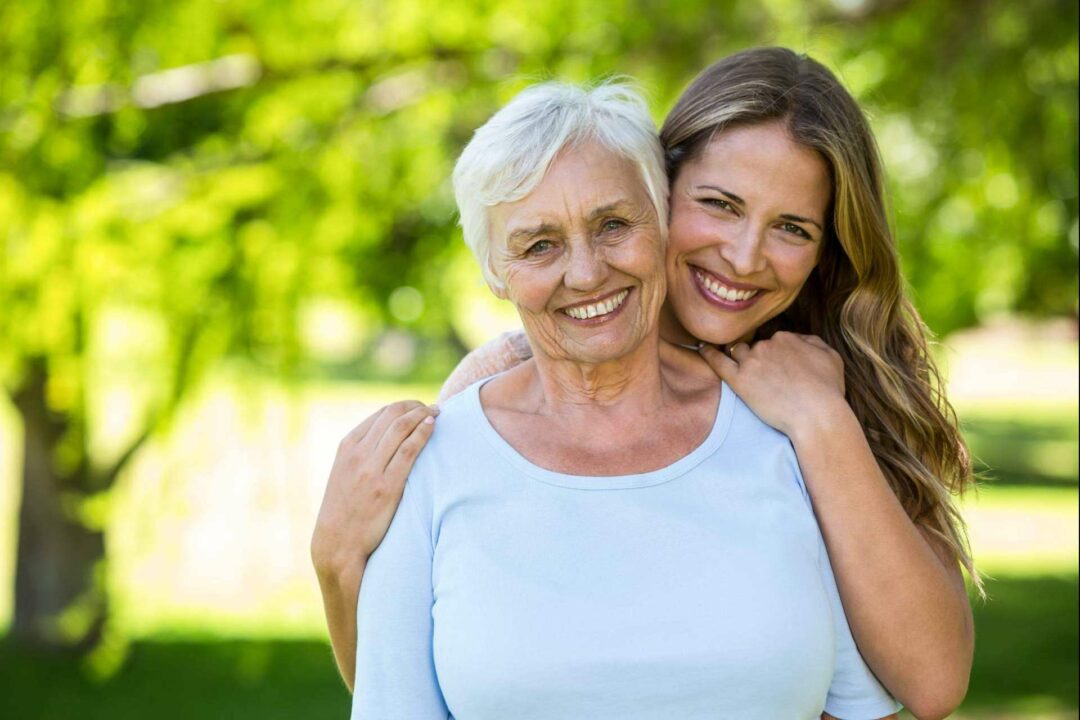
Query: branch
[[106, 479], [229, 72], [103, 480]]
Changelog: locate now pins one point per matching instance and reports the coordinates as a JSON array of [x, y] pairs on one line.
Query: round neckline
[[724, 412]]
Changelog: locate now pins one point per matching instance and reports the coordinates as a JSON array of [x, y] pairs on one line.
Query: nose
[[743, 249], [586, 267]]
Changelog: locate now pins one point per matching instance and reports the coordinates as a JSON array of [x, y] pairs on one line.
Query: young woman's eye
[[795, 230], [718, 203]]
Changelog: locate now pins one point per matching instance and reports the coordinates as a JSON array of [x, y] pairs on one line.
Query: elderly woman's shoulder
[[456, 449], [746, 422], [460, 419]]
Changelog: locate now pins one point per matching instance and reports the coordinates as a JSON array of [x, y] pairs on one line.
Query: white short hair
[[510, 154]]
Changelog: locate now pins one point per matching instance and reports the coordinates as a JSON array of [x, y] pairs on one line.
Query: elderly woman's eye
[[540, 247], [613, 224]]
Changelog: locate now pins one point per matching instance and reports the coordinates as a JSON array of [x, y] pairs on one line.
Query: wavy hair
[[855, 298]]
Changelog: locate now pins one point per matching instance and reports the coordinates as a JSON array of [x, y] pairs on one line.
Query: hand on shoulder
[[365, 485], [789, 380]]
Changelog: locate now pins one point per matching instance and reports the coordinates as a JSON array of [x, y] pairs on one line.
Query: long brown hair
[[854, 299]]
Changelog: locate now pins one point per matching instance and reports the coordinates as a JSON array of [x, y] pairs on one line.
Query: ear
[[498, 291]]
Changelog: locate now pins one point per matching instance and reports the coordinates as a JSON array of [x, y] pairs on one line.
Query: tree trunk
[[59, 594]]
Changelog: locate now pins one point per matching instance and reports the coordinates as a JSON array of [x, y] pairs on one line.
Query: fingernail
[[429, 419]]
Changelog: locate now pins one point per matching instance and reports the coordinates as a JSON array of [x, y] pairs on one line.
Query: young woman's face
[[747, 227]]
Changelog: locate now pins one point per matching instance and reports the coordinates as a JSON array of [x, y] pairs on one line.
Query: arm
[[395, 666], [904, 597], [905, 600], [361, 496], [854, 693], [366, 483]]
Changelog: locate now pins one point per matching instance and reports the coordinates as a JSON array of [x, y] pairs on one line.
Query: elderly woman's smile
[[582, 257]]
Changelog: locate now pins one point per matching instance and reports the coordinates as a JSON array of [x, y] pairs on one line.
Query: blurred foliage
[[188, 180], [233, 176]]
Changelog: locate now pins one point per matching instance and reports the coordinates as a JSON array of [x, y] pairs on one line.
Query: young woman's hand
[[790, 381], [366, 483], [362, 494]]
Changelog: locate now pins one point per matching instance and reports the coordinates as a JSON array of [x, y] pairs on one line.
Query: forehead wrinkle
[[619, 204], [543, 227]]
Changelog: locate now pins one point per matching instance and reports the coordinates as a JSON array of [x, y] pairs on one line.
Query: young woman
[[779, 250]]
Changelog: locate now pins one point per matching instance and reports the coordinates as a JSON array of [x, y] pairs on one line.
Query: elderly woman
[[598, 532], [777, 221]]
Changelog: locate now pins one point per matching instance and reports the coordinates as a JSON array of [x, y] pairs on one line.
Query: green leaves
[[224, 164]]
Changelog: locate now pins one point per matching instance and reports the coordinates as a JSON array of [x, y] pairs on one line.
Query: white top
[[504, 591]]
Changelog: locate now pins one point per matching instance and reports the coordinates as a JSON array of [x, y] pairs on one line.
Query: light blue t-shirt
[[504, 591]]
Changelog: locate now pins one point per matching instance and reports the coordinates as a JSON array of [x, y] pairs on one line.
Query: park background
[[228, 236]]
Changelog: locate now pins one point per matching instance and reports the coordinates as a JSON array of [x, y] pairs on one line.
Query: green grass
[[179, 679], [1024, 443], [1026, 647], [1025, 666]]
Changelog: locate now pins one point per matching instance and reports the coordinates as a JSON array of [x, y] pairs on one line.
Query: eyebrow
[[531, 232], [605, 209], [786, 216], [527, 233]]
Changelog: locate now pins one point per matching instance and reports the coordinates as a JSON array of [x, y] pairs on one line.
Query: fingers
[[395, 434], [381, 421], [815, 341], [401, 463], [362, 429], [720, 363], [739, 351]]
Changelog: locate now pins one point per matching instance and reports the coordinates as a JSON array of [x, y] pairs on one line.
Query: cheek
[[640, 256], [794, 263], [529, 289], [686, 234]]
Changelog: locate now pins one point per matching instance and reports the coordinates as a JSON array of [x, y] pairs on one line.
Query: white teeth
[[723, 291], [584, 312]]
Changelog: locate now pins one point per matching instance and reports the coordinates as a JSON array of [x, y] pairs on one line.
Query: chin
[[720, 331], [602, 354]]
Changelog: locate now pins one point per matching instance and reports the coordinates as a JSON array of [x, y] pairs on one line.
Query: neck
[[671, 330], [623, 383]]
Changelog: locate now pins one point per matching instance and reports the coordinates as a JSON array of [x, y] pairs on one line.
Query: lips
[[724, 293], [600, 308]]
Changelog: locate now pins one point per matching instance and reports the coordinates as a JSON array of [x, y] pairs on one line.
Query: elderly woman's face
[[581, 257], [747, 228]]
